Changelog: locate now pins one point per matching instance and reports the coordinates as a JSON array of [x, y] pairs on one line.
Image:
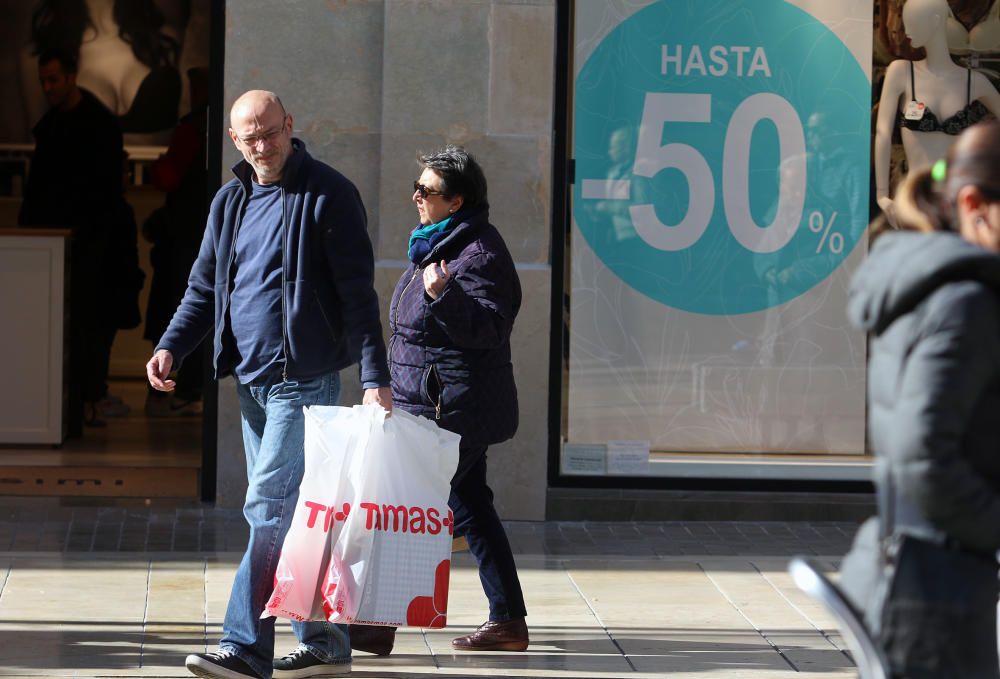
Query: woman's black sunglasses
[[424, 191]]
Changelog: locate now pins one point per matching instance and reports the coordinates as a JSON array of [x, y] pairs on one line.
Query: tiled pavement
[[42, 525], [127, 591]]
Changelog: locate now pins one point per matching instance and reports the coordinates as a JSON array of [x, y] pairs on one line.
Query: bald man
[[285, 277]]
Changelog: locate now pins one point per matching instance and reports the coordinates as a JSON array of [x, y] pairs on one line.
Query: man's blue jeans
[[273, 433]]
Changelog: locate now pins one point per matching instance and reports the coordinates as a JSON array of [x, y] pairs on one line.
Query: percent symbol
[[817, 224]]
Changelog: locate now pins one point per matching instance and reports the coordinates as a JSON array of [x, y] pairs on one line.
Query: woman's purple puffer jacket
[[449, 358]]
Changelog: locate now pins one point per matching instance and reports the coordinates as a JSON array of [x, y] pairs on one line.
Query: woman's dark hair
[[926, 200], [61, 24], [460, 174]]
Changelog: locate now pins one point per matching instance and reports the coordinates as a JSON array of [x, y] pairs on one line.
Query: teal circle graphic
[[778, 111]]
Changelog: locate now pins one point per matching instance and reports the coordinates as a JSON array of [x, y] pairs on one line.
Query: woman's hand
[[435, 278]]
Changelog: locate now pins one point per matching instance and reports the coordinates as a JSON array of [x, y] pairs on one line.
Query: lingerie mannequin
[[985, 36], [107, 65], [931, 100], [958, 35], [130, 68]]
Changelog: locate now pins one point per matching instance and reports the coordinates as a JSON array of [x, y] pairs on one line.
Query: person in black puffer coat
[[451, 318], [924, 572]]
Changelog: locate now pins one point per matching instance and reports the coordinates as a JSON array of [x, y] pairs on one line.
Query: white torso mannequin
[[108, 68], [943, 86], [985, 36]]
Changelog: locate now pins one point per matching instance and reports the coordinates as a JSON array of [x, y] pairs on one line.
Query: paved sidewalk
[[129, 591]]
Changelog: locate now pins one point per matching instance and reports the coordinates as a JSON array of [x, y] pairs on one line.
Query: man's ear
[[969, 198]]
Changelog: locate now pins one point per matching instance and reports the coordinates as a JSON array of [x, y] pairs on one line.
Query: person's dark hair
[[460, 174], [62, 23], [926, 201], [66, 60]]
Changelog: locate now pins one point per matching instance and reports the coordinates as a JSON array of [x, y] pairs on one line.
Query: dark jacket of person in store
[[76, 181]]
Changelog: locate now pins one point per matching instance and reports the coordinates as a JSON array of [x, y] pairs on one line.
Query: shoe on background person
[[92, 416], [157, 404], [503, 635], [180, 407], [112, 406], [221, 664], [301, 664], [375, 639], [170, 405]]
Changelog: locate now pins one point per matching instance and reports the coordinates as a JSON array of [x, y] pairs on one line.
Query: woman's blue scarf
[[424, 238]]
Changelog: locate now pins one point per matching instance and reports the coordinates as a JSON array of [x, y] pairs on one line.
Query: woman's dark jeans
[[471, 503]]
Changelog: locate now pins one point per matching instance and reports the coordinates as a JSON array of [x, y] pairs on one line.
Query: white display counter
[[32, 341]]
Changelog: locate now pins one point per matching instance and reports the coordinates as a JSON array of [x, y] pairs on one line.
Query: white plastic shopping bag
[[370, 540]]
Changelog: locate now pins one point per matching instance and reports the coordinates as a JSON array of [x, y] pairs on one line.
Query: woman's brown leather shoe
[[372, 638], [508, 635]]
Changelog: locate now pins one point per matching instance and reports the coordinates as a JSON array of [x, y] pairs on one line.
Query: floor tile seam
[[747, 618], [430, 649], [802, 613], [145, 613], [204, 602], [69, 529], [6, 576], [597, 617], [119, 555], [235, 556], [565, 559]]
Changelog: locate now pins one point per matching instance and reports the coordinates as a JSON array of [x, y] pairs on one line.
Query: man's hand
[[435, 279], [379, 395], [158, 368]]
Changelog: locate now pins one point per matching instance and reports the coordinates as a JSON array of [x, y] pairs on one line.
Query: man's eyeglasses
[[423, 191], [255, 139]]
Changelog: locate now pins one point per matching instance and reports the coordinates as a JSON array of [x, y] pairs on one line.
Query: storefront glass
[[719, 206]]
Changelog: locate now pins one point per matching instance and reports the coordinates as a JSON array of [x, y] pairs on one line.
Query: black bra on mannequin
[[969, 115]]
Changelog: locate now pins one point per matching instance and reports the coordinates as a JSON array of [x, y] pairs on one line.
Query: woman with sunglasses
[[925, 571], [451, 317]]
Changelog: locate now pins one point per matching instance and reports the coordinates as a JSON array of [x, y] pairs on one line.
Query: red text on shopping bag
[[382, 517]]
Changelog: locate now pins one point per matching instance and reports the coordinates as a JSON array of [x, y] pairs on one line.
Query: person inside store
[[930, 100], [175, 231], [284, 281], [451, 318], [924, 571], [79, 133]]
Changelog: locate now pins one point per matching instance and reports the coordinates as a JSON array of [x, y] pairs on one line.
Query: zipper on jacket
[[284, 266], [395, 315], [440, 386], [229, 266]]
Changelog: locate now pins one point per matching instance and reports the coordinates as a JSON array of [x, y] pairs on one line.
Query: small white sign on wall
[[628, 458]]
